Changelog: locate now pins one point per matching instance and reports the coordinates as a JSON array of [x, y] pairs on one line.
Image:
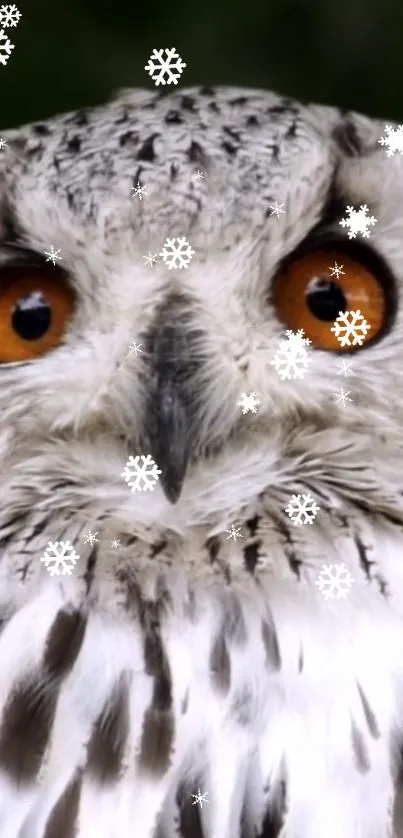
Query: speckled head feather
[[182, 659]]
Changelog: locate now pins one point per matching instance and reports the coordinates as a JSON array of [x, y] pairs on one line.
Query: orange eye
[[307, 296], [34, 309]]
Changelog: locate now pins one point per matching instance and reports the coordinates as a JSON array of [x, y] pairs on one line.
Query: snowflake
[[3, 143], [90, 538], [115, 543], [53, 255], [276, 209], [393, 139], [177, 255], [158, 67], [334, 581], [199, 798], [302, 511], [348, 324], [141, 477], [291, 359], [336, 270], [139, 192], [358, 221], [198, 176], [9, 16], [59, 558], [135, 347], [249, 403], [5, 49], [345, 368], [150, 258], [234, 533], [343, 397]]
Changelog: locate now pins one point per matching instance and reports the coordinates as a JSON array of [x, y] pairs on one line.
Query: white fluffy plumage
[[183, 659]]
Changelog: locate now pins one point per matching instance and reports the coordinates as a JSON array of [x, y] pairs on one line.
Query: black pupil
[[31, 316], [325, 299]]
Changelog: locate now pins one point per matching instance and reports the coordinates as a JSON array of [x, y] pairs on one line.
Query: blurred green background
[[70, 53]]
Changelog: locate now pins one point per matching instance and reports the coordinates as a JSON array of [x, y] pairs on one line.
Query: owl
[[210, 663]]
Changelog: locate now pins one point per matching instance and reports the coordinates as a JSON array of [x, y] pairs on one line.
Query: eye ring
[[306, 296], [36, 302]]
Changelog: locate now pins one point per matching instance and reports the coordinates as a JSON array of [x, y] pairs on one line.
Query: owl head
[[256, 186]]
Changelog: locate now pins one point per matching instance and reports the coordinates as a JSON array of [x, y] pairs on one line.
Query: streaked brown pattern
[[27, 719]]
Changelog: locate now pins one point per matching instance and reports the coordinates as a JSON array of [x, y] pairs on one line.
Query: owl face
[[75, 401]]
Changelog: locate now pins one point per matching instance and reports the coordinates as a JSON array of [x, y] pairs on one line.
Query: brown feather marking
[[360, 750], [220, 664], [27, 720], [158, 724], [63, 818], [63, 643], [109, 735]]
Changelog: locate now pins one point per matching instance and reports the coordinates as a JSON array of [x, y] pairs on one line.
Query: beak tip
[[172, 488]]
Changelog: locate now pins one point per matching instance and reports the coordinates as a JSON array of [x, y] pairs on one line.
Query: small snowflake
[[3, 144], [302, 509], [199, 798], [177, 255], [90, 538], [345, 368], [248, 403], [5, 48], [358, 221], [334, 581], [53, 255], [115, 543], [9, 16], [234, 533], [342, 397], [139, 192], [393, 139], [336, 270], [135, 347], [143, 476], [150, 258], [60, 558], [198, 176], [161, 69], [350, 324], [291, 359], [276, 209]]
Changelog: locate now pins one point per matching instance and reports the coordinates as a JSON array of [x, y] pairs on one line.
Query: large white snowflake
[[350, 324], [291, 359], [334, 581], [177, 255], [9, 16], [358, 221], [302, 509], [5, 48], [249, 403], [141, 473], [162, 70], [393, 139], [60, 558], [3, 144]]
